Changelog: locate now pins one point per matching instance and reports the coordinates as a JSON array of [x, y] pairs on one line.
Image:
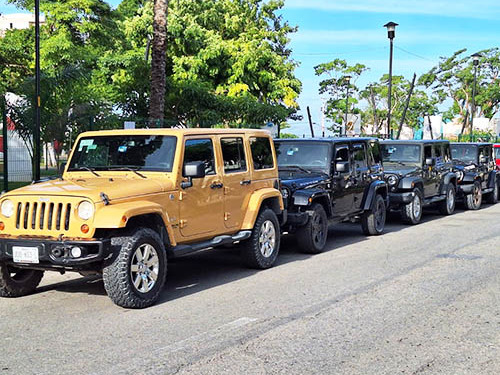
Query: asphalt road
[[420, 299]]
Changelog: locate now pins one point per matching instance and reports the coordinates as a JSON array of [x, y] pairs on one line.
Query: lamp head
[[391, 29]]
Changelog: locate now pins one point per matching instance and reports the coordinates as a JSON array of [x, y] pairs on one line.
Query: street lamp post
[[391, 32], [36, 133], [347, 83], [475, 61]]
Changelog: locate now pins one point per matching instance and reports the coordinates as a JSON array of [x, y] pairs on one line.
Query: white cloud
[[487, 9]]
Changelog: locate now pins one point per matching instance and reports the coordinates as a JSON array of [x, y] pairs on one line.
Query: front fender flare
[[408, 183], [375, 188], [255, 202]]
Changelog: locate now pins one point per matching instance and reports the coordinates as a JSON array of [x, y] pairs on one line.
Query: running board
[[216, 241], [437, 198], [487, 190]]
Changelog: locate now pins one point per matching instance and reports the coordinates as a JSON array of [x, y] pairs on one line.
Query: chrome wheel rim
[[417, 206], [451, 200], [267, 238], [144, 268], [318, 230]]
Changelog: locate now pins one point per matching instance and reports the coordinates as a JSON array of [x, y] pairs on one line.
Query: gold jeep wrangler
[[128, 200]]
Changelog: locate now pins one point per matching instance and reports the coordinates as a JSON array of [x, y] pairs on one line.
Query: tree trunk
[[158, 56]]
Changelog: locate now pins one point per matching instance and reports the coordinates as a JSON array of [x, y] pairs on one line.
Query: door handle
[[245, 182], [217, 185]]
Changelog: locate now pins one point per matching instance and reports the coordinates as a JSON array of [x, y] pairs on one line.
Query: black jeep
[[477, 176], [419, 173], [331, 180]]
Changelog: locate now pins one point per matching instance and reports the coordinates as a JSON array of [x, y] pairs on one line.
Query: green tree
[[336, 86]]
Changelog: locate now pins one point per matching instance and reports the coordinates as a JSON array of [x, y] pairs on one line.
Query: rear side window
[[200, 150], [233, 154], [262, 154]]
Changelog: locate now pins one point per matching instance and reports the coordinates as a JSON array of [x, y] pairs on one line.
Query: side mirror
[[342, 167], [62, 167], [430, 162], [195, 169]]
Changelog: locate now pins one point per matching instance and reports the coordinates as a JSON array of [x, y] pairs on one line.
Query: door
[[429, 173], [202, 205], [360, 172], [343, 184], [236, 179]]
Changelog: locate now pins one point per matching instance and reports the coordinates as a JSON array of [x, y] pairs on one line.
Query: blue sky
[[353, 30]]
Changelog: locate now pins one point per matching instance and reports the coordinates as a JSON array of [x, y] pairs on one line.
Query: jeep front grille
[[43, 215]]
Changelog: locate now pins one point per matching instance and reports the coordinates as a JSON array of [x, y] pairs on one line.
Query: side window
[[427, 152], [200, 150], [262, 154], [359, 157], [446, 153], [233, 154], [438, 154], [483, 152], [374, 153]]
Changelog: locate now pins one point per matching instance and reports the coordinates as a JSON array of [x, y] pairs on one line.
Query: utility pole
[[36, 135], [323, 118], [5, 146], [475, 61], [310, 121], [406, 105]]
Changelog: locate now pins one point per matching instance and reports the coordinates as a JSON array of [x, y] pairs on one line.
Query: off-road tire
[[447, 207], [251, 253], [22, 283], [117, 273], [373, 221], [492, 197], [312, 237], [473, 201], [410, 212]]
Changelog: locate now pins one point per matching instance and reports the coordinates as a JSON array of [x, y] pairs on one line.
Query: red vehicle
[[496, 151]]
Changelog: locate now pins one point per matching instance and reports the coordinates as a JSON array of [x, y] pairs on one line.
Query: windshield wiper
[[296, 167], [125, 168], [396, 162], [92, 170]]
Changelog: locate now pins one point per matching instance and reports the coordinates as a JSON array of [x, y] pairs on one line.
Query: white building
[[18, 21]]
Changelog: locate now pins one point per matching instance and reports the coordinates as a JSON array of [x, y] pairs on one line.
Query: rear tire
[[473, 201], [17, 282], [312, 237], [261, 249], [136, 275], [493, 196], [373, 221], [447, 207], [412, 212]]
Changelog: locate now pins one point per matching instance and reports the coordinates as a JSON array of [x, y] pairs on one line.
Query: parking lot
[[419, 299]]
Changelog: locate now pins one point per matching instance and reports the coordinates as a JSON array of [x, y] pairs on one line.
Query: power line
[[413, 54]]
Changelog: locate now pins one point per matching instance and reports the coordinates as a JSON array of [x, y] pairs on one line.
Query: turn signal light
[[2, 225], [124, 219], [84, 228]]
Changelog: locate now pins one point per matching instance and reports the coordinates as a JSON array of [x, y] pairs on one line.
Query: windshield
[[466, 153], [138, 152], [401, 153], [306, 155]]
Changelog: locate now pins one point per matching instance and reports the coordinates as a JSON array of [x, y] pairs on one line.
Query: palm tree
[[157, 100]]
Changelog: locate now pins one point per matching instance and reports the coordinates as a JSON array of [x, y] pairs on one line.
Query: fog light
[[84, 228], [76, 252]]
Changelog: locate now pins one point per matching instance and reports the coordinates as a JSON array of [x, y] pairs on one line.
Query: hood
[[400, 170], [114, 188], [294, 181]]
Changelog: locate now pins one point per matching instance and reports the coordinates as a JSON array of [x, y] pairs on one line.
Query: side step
[[437, 198], [216, 241]]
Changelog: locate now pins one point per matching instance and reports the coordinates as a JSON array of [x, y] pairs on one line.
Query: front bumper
[[297, 219], [57, 254], [465, 189], [401, 198]]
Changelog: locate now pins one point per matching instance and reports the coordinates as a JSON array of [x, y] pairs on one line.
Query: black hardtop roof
[[414, 141], [472, 143], [328, 140]]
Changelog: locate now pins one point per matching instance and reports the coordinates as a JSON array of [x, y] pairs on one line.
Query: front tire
[[261, 249], [312, 236], [412, 212], [137, 273], [373, 221], [447, 207], [493, 196], [473, 201], [17, 282]]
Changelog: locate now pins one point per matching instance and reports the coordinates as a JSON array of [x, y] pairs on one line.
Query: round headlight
[[460, 175], [285, 194], [392, 180], [7, 208], [85, 210]]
